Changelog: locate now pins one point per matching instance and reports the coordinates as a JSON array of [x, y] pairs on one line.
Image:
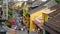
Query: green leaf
[[58, 1], [10, 14], [25, 13]]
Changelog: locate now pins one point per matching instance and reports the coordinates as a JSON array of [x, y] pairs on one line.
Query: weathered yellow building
[[37, 13], [41, 12]]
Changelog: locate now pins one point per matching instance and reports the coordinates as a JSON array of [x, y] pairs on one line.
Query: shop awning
[[38, 23]]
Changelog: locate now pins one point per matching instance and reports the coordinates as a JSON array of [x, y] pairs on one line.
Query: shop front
[[39, 25]]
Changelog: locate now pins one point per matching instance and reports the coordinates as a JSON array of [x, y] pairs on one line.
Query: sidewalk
[[12, 31], [33, 32], [20, 32]]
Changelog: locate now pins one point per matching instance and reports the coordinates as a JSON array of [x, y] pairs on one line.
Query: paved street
[[12, 31], [25, 32], [21, 32]]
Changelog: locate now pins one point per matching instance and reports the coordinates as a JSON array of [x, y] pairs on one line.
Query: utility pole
[[5, 9]]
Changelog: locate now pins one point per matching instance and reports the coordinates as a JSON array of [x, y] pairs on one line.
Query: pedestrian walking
[[38, 31], [27, 29]]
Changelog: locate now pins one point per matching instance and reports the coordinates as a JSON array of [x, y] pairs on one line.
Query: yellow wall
[[35, 15], [32, 17], [44, 17], [17, 4], [26, 8]]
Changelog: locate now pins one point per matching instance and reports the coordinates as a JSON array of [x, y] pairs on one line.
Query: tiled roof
[[35, 10], [53, 24], [38, 8], [57, 7]]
